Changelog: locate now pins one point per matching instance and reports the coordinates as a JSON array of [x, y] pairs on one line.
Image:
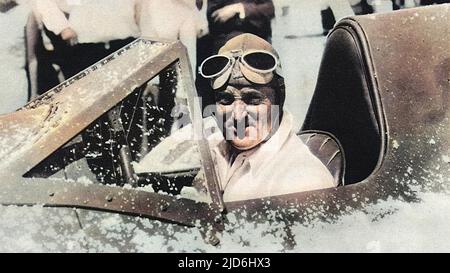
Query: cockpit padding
[[343, 103]]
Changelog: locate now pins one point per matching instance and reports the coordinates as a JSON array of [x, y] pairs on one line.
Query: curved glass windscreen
[[145, 142]]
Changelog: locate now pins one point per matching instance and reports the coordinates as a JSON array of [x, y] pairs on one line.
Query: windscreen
[[145, 142]]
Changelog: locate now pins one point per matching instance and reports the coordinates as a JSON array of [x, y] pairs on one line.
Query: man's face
[[246, 114]]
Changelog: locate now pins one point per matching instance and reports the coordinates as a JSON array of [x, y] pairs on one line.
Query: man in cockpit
[[259, 154]]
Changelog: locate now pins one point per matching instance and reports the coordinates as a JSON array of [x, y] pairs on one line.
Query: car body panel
[[44, 229]]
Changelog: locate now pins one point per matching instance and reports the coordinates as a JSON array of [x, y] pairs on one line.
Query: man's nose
[[239, 109]]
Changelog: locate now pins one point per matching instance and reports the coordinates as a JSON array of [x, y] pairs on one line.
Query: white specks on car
[[409, 170], [446, 158], [395, 144]]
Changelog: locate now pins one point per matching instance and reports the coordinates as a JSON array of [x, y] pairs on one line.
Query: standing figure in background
[[334, 10], [229, 18], [84, 31], [397, 4], [171, 20], [361, 7]]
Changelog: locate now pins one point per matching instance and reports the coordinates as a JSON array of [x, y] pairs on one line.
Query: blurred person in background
[[229, 18], [81, 32], [397, 4], [172, 20], [361, 7], [6, 5], [334, 10]]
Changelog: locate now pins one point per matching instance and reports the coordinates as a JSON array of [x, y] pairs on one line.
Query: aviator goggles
[[256, 66]]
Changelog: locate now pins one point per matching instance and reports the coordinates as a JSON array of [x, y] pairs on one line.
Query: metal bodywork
[[406, 91], [50, 121]]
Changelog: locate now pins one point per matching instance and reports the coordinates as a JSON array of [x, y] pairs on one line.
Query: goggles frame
[[239, 55]]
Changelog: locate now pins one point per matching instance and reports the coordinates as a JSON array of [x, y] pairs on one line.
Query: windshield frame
[[17, 190]]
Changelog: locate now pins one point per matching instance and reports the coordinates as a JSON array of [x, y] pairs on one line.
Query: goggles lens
[[260, 61], [214, 65]]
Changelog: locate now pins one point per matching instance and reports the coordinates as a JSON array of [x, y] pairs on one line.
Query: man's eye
[[254, 101], [225, 99]]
